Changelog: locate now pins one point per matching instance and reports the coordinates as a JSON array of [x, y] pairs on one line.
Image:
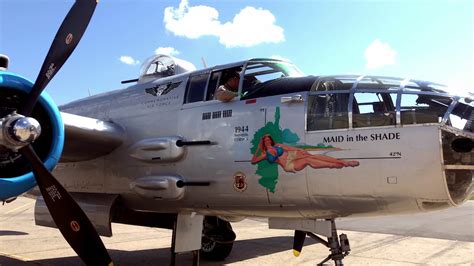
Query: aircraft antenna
[[203, 62]]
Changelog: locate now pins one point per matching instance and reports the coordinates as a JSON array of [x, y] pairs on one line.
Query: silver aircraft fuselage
[[401, 167]]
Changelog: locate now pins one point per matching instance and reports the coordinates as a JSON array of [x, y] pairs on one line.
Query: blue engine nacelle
[[16, 176]]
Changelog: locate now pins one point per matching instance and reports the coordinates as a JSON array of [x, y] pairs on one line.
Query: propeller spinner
[[18, 131]]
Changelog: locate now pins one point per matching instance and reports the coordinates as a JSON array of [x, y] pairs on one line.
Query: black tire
[[211, 250]]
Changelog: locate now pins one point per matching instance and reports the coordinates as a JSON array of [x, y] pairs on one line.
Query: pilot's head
[[233, 80]]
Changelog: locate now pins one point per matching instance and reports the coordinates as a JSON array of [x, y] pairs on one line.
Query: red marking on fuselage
[[251, 101]]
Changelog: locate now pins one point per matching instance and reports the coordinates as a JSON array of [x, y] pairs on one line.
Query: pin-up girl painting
[[293, 159]]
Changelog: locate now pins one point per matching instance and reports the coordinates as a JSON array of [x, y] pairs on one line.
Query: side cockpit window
[[420, 109], [213, 84], [328, 111], [331, 99], [196, 88], [224, 84], [327, 108], [220, 85], [373, 110]]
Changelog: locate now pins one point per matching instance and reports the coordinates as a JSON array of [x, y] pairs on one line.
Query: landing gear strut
[[338, 245]]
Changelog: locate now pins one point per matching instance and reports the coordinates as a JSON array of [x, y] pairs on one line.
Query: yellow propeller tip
[[296, 252], [111, 263]]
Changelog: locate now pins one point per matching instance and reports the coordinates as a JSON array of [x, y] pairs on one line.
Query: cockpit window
[[423, 108], [328, 111], [224, 84], [260, 73], [431, 103], [196, 88], [372, 110], [381, 101]]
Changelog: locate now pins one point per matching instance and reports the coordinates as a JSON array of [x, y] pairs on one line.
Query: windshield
[[264, 71], [258, 73]]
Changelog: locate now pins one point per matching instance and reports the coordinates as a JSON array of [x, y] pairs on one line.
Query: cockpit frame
[[457, 105]]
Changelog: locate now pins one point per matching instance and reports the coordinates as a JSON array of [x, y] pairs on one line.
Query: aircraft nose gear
[[338, 245]]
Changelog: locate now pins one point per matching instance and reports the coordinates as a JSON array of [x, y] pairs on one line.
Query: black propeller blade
[[298, 242], [68, 216], [64, 43], [66, 213]]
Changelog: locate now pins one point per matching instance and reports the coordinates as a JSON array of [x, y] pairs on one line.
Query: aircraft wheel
[[211, 250]]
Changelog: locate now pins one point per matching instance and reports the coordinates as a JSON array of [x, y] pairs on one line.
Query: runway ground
[[441, 238]]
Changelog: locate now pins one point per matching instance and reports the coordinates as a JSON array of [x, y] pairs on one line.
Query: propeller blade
[[298, 242], [73, 223], [65, 41]]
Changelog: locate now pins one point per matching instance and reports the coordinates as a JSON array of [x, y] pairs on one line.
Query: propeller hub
[[26, 129], [17, 131]]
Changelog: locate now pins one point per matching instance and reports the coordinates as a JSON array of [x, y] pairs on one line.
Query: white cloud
[[379, 54], [251, 26], [129, 60], [167, 51], [191, 22]]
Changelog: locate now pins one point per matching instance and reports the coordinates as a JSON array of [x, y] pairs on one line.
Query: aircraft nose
[[458, 164]]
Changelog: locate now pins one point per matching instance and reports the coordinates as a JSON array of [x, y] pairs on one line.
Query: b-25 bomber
[[194, 150]]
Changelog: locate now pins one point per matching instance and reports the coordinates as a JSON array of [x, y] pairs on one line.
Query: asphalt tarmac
[[441, 238]]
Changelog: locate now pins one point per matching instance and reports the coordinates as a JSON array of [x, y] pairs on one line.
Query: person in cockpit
[[228, 90]]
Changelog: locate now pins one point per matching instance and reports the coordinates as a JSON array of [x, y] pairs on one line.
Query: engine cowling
[[16, 176]]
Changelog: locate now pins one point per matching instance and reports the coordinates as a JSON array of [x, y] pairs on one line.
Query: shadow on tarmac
[[4, 261], [12, 233], [243, 250]]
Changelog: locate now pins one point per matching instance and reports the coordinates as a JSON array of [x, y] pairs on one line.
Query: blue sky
[[431, 40]]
